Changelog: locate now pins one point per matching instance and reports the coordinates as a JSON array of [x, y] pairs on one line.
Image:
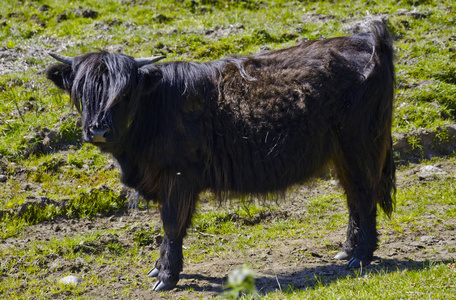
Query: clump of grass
[[97, 201], [70, 131], [145, 237]]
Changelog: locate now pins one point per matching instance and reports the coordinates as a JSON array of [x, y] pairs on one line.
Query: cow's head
[[104, 87]]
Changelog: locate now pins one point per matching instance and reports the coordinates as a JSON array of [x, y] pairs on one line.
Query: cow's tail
[[383, 43], [384, 49], [387, 188]]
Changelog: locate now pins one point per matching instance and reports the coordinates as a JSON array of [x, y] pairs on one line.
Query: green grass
[[202, 30], [434, 281]]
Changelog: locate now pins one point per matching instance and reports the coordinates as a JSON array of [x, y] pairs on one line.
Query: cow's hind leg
[[366, 236], [176, 211], [346, 253], [365, 187], [362, 236]]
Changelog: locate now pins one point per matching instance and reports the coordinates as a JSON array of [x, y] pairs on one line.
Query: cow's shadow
[[306, 278], [202, 283]]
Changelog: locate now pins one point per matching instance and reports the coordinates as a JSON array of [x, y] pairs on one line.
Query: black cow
[[244, 125]]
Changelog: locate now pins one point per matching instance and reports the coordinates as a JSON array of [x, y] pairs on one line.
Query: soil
[[287, 261]]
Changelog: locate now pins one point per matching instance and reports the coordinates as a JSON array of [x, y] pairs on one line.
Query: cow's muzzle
[[98, 135]]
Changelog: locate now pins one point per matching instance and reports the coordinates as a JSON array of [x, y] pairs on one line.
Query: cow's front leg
[[177, 209], [169, 265]]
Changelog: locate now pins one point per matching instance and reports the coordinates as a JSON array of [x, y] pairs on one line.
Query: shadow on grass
[[307, 278], [202, 283]]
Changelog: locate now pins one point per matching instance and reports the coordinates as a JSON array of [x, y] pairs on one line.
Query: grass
[[31, 110], [426, 281]]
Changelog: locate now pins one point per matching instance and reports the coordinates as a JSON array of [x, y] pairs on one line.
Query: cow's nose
[[98, 135]]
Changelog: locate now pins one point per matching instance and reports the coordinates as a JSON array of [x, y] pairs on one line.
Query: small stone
[[429, 171], [71, 280], [3, 178], [427, 239], [433, 170]]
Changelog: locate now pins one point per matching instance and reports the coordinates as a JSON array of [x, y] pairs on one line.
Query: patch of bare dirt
[[19, 58], [59, 138], [223, 31], [424, 143]]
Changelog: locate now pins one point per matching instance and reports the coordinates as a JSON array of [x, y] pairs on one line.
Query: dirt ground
[[295, 262]]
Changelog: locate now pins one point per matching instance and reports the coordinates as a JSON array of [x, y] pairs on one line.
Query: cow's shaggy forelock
[[100, 81]]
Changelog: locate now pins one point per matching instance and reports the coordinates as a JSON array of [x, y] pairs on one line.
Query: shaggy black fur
[[246, 125]]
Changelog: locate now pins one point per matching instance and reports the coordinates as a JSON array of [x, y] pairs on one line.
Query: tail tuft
[[387, 188]]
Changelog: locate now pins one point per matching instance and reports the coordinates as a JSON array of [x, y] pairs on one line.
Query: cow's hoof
[[153, 273], [357, 263], [342, 255], [163, 286]]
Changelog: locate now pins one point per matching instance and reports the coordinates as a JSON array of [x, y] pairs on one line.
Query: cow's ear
[[150, 77], [61, 75]]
